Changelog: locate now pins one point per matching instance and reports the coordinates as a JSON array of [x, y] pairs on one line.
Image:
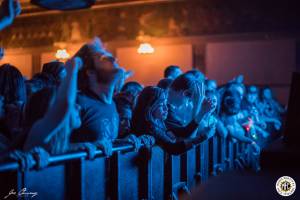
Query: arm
[[221, 129], [238, 136], [9, 10], [176, 146], [43, 130], [185, 131]]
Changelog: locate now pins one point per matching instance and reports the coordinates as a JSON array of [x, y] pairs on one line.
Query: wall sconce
[[62, 54], [145, 48]]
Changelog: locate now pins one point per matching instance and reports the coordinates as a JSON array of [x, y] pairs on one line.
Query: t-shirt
[[98, 119]]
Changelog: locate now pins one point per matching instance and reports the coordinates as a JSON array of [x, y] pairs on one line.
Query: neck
[[105, 92]]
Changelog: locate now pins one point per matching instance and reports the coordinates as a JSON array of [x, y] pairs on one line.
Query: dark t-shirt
[[99, 120]]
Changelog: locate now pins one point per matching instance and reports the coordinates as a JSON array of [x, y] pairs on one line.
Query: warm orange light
[[62, 54], [145, 48]]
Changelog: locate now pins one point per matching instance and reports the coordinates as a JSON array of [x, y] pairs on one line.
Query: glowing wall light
[[145, 48], [62, 54]]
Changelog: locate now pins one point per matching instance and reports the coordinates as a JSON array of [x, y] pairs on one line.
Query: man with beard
[[99, 77]]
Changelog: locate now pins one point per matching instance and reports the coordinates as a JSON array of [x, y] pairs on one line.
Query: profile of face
[[180, 99], [160, 110], [213, 100], [267, 93], [251, 97], [232, 103], [75, 121], [105, 61], [105, 69]]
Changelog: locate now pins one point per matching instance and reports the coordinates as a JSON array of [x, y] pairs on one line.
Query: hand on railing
[[25, 159], [147, 140], [106, 146], [137, 143], [37, 157], [89, 148], [41, 156]]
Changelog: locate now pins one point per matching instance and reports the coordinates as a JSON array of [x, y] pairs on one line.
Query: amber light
[[145, 48], [62, 54]]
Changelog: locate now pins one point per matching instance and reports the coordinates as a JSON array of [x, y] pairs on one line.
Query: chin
[[76, 125]]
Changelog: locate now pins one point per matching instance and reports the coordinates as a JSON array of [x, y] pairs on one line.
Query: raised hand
[[10, 9]]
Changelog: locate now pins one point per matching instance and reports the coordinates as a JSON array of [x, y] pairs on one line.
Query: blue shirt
[[99, 119]]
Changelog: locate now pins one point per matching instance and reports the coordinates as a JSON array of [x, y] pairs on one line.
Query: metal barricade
[[147, 174]]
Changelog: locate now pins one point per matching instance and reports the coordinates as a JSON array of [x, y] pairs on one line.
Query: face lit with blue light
[[267, 94], [251, 97], [161, 110]]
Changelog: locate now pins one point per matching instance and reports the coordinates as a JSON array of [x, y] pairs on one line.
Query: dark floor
[[277, 161]]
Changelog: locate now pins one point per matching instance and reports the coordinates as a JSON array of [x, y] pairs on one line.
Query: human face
[[75, 117], [161, 110], [267, 94], [213, 100], [178, 99], [105, 61], [251, 97]]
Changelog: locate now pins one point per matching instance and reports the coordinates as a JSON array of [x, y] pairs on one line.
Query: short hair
[[170, 69], [131, 85], [165, 83], [197, 74]]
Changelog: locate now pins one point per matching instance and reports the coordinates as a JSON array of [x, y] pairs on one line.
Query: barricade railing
[[147, 174]]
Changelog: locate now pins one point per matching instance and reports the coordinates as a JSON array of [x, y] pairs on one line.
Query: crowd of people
[[86, 104]]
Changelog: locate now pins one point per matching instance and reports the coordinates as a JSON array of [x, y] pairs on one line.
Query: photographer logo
[[285, 186]]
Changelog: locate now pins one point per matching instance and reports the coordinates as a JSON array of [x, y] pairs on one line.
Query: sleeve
[[177, 147], [182, 131]]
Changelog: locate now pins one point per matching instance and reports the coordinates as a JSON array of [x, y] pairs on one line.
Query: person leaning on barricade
[[99, 79], [149, 118]]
